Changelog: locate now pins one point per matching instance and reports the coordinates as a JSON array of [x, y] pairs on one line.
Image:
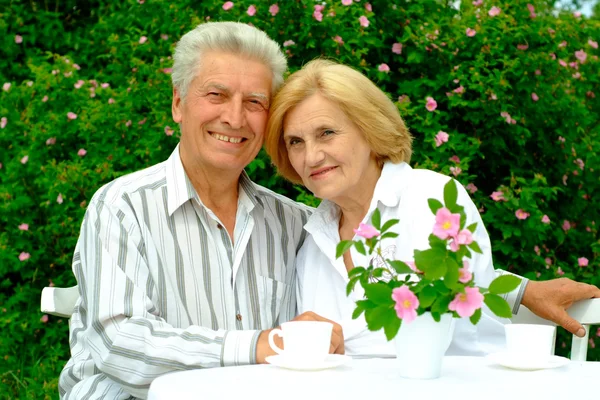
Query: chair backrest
[[587, 312], [59, 301]]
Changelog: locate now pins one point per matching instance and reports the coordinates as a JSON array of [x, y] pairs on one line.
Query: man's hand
[[550, 300], [263, 350]]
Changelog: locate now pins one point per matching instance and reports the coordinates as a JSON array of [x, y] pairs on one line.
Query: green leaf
[[504, 284], [389, 235], [427, 296], [432, 262], [400, 267], [351, 284], [434, 205], [376, 219], [342, 247], [357, 312], [435, 241], [379, 316], [451, 277], [360, 247], [356, 271], [392, 327], [498, 305], [476, 316], [472, 227], [379, 293], [366, 304], [440, 305], [389, 224], [475, 247], [450, 193], [440, 287]]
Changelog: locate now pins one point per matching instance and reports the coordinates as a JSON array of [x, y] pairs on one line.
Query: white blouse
[[401, 192]]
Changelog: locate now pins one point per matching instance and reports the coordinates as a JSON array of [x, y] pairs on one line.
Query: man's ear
[[176, 106]]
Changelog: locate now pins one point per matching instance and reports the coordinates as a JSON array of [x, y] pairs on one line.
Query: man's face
[[224, 115]]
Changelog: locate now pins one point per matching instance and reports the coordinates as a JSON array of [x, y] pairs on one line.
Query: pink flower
[[548, 261], [560, 272], [81, 152], [406, 304], [464, 237], [383, 68], [598, 332], [431, 104], [581, 56], [76, 66], [534, 96], [71, 115], [59, 198], [455, 170], [464, 275], [111, 101], [319, 7], [446, 224], [51, 141], [143, 39], [6, 86], [522, 46], [368, 7], [366, 231], [24, 256], [494, 11], [142, 122], [338, 39], [471, 32], [440, 138], [471, 188], [531, 10], [274, 9], [459, 89], [477, 3], [104, 85], [128, 123], [466, 303], [23, 227], [521, 214], [545, 219], [3, 122], [228, 5], [288, 43], [576, 75], [455, 159], [164, 36], [44, 318], [318, 15], [397, 48], [79, 84], [562, 63], [582, 261], [566, 225], [346, 2], [24, 160], [593, 44], [169, 131], [45, 99], [364, 21], [18, 39], [497, 196], [251, 10], [536, 248], [576, 14], [561, 139], [579, 163], [563, 44], [538, 72]]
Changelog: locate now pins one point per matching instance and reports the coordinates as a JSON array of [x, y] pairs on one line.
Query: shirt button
[[238, 317]]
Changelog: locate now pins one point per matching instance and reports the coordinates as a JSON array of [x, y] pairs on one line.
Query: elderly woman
[[334, 131]]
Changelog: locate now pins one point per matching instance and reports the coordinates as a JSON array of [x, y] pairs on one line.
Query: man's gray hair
[[229, 37]]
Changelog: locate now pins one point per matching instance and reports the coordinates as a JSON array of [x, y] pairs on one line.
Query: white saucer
[[526, 363], [331, 361]]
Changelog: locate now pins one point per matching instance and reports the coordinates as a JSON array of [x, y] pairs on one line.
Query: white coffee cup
[[304, 341], [530, 340]]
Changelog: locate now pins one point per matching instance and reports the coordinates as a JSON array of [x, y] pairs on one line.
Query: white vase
[[421, 344]]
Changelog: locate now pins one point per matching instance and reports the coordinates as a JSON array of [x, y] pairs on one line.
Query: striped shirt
[[163, 287]]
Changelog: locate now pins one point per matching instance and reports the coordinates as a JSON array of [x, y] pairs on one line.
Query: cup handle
[[279, 333]]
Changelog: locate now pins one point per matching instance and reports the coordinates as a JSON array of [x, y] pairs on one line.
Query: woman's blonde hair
[[361, 100]]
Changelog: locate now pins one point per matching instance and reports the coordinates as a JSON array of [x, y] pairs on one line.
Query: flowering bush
[[443, 284], [510, 111]]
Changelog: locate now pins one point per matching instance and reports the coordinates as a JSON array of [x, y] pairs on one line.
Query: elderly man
[[189, 264]]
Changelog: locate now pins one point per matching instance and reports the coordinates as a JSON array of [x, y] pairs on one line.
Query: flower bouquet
[[438, 282]]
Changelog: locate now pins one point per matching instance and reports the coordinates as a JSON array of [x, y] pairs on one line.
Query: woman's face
[[329, 151]]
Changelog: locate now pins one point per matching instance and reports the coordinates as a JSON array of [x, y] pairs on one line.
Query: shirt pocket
[[277, 301]]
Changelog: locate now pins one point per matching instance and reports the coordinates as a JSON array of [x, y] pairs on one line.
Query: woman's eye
[[292, 142], [328, 132]]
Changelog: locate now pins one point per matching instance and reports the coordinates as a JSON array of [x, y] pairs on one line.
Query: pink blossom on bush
[[366, 231], [59, 198], [228, 5], [534, 96], [142, 122], [560, 272], [563, 44], [397, 48], [143, 39], [593, 43], [24, 256], [431, 104], [455, 159], [494, 11], [471, 188], [536, 248], [169, 131], [522, 47], [318, 15], [111, 101], [79, 84], [51, 141], [531, 10], [581, 56], [579, 163], [538, 72], [3, 122], [582, 261], [274, 9], [44, 318], [455, 171], [440, 138], [521, 214], [128, 123], [446, 224], [477, 3], [545, 219], [464, 237], [406, 304], [562, 63], [105, 85], [18, 39], [346, 2], [368, 7], [465, 304], [167, 70], [71, 115], [576, 75], [338, 39], [459, 90], [164, 36], [364, 21], [464, 275], [24, 160], [81, 152], [497, 196], [23, 227], [383, 68], [471, 32], [288, 43], [566, 225], [6, 86], [251, 10]]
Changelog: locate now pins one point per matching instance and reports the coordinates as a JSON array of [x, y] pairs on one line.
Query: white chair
[[59, 301], [587, 312]]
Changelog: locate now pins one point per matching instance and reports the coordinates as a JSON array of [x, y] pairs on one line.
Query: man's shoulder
[[124, 186]]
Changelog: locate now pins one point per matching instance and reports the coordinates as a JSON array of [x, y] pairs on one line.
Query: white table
[[462, 378]]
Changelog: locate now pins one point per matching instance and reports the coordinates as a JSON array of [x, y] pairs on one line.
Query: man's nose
[[233, 114]]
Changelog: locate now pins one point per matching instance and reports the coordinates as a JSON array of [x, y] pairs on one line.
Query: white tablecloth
[[462, 378]]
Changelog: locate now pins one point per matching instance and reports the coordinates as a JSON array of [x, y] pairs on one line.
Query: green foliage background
[[545, 163]]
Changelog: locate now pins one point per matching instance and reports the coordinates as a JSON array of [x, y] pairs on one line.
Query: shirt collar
[[180, 188]]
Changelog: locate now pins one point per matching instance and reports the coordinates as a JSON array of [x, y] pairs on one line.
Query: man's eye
[[214, 94]]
